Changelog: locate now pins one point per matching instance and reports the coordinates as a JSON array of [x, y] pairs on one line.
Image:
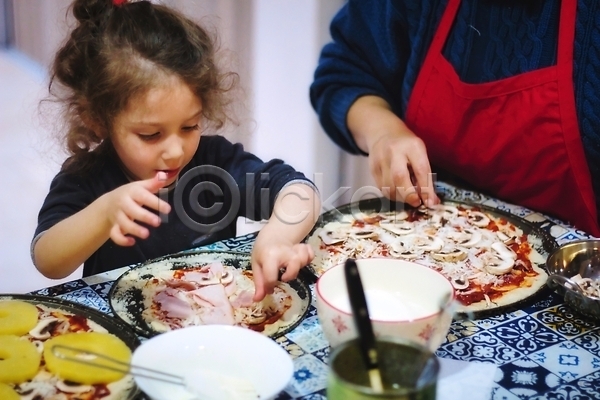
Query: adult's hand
[[397, 157]]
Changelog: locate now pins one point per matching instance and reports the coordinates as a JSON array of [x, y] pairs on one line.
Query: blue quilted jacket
[[379, 45]]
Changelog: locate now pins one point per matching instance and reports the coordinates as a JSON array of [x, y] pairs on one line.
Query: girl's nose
[[173, 148]]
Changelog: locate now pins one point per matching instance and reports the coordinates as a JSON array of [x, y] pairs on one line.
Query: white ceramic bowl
[[405, 300], [236, 353]]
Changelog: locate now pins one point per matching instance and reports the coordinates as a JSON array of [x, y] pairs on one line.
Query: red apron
[[517, 138]]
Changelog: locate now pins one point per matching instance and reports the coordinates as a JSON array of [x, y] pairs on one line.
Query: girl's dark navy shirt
[[221, 183]]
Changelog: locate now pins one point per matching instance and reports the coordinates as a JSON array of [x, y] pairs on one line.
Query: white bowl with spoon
[[405, 300], [213, 361]]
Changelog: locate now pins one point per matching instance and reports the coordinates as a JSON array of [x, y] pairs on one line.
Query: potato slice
[[19, 359], [17, 317], [8, 393], [95, 342]]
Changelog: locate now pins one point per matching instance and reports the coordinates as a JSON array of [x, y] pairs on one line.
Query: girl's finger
[[257, 277], [136, 212], [292, 267], [130, 227], [152, 201], [119, 238], [305, 252], [155, 183], [270, 272]]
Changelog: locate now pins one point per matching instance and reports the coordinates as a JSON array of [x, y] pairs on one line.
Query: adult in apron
[[517, 137]]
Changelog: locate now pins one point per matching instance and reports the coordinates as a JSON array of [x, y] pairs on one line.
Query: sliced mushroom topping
[[460, 283], [405, 255], [363, 233], [448, 212], [60, 328], [226, 278], [504, 251], [72, 387], [427, 243], [209, 280], [29, 393], [43, 329], [505, 238], [257, 318], [39, 345], [467, 238], [398, 250], [387, 237], [590, 287], [436, 219], [400, 228], [499, 266], [478, 218], [449, 256], [423, 209], [475, 238], [394, 216], [502, 236], [332, 237]]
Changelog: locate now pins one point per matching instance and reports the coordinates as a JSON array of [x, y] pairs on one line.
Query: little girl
[[139, 86]]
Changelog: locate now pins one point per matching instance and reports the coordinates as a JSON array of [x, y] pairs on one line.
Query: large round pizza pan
[[544, 243], [126, 297], [111, 324]]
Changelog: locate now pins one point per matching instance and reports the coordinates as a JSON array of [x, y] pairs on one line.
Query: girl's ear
[[94, 126]]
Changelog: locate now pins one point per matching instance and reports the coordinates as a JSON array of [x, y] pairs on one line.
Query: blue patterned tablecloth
[[542, 351]]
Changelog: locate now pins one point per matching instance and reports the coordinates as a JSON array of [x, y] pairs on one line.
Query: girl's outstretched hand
[[125, 209], [270, 256], [277, 246]]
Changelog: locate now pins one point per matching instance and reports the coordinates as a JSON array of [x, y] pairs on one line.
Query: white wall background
[[273, 44]]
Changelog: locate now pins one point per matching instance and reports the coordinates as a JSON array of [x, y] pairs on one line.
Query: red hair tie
[[119, 2]]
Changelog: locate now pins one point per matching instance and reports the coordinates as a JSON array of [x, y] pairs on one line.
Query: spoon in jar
[[360, 312]]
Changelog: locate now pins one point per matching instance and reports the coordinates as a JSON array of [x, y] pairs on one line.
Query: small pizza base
[[135, 280], [289, 317]]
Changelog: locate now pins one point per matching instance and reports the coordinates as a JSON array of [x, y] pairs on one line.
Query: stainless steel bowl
[[579, 257]]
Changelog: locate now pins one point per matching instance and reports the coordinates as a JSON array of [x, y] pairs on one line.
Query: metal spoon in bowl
[[567, 283], [360, 311]]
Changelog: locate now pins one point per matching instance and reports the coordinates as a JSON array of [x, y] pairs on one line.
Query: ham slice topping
[[220, 310], [203, 292], [173, 305]]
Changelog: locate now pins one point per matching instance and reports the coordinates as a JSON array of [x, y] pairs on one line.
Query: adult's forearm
[[371, 117]]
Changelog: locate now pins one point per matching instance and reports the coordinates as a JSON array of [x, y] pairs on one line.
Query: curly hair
[[119, 51]]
